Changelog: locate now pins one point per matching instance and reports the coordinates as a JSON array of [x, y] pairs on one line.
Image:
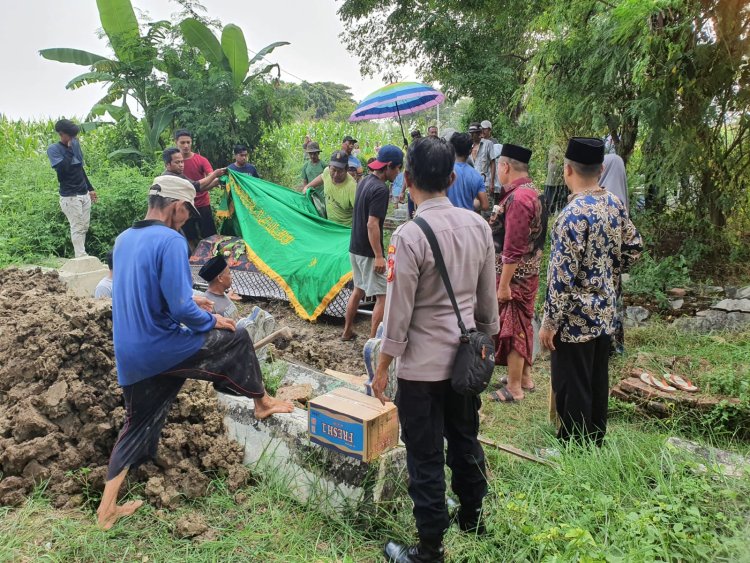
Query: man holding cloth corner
[[366, 250]]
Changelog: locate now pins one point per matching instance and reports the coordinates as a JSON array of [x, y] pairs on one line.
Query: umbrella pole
[[403, 135]]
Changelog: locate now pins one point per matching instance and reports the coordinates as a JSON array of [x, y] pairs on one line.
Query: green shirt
[[339, 198], [311, 171]]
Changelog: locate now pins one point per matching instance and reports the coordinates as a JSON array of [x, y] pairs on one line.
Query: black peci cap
[[211, 269], [516, 152], [585, 150]]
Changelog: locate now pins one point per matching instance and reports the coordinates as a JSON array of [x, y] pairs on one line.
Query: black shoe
[[471, 521], [420, 553]]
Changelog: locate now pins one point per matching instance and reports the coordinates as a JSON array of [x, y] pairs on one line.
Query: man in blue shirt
[[469, 184], [162, 336], [240, 163]]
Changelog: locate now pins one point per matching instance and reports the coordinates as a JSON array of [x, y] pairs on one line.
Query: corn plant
[[280, 157]]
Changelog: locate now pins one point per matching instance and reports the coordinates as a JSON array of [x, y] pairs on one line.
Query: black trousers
[[196, 229], [226, 358], [580, 379], [428, 413]]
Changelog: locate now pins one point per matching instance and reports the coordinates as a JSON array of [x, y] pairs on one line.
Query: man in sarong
[[519, 227], [593, 240], [162, 337]]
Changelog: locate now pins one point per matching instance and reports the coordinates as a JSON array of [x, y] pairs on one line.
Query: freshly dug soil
[[317, 345], [61, 408]]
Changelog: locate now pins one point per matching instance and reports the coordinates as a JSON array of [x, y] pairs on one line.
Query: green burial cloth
[[286, 239]]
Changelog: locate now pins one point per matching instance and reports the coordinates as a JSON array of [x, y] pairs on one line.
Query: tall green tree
[[667, 80], [229, 55], [324, 98], [476, 48], [221, 94], [129, 74]]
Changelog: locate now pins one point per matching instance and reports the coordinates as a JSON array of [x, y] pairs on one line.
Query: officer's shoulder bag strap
[[440, 263], [475, 355]]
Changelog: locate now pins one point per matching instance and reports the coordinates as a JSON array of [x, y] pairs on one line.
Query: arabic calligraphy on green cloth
[[307, 255]]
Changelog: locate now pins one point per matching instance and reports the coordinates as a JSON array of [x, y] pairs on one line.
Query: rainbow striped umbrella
[[397, 99]]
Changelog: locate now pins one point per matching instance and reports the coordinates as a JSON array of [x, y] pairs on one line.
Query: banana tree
[[231, 55], [129, 74]]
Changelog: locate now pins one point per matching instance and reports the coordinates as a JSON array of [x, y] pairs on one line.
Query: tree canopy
[[666, 79]]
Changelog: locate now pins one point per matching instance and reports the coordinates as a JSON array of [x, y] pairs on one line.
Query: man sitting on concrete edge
[[161, 337], [258, 323], [103, 289]]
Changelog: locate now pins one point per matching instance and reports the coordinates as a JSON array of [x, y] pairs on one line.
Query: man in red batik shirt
[[519, 226], [197, 167]]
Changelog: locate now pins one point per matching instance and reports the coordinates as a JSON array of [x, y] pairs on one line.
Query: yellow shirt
[[339, 198]]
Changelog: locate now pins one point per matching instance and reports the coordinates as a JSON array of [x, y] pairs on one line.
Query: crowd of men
[[164, 334]]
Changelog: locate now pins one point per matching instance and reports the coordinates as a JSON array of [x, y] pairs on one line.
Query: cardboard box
[[353, 423]]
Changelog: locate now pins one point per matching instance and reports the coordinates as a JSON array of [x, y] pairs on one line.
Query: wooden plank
[[347, 377], [512, 450]]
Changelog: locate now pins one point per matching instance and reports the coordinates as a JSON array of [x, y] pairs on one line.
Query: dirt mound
[[61, 408], [318, 345]]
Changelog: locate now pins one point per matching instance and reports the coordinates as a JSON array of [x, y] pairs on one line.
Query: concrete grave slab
[[726, 463], [331, 481], [320, 383], [81, 275]]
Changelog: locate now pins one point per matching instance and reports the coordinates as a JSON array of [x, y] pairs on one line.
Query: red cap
[[388, 154], [377, 165]]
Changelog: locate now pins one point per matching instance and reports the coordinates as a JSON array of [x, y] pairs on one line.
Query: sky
[[34, 87]]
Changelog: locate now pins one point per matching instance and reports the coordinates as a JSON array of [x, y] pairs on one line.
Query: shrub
[[32, 226], [653, 278]]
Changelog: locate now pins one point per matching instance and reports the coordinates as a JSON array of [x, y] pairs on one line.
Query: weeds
[[32, 225], [633, 500], [652, 278], [279, 156]]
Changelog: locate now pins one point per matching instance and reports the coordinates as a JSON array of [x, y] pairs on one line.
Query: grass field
[[633, 500]]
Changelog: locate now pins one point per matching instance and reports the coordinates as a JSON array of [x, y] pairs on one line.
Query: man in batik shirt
[[519, 228], [593, 241]]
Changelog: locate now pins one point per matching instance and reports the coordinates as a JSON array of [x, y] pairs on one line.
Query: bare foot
[[527, 383], [106, 520], [267, 405], [348, 336]]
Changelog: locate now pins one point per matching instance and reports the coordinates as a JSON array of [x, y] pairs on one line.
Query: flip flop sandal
[[507, 396], [681, 383], [504, 381], [662, 385], [352, 338]]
